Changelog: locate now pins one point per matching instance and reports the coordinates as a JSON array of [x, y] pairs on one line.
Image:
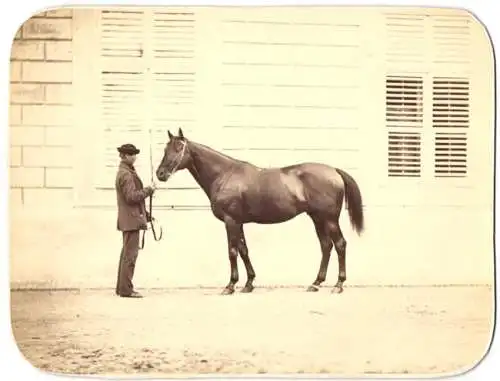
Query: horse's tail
[[354, 201]]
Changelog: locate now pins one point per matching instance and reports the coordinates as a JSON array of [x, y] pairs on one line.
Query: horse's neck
[[208, 165]]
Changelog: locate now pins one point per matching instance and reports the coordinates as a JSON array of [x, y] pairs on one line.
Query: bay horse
[[240, 193]]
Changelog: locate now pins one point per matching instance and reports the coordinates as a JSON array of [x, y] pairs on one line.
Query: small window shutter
[[405, 41], [450, 117], [404, 115], [404, 101], [451, 36], [404, 154], [450, 154], [450, 107]]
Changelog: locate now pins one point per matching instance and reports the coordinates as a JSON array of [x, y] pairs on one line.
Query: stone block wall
[[41, 123]]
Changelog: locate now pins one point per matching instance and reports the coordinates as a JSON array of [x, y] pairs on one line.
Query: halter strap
[[176, 165]]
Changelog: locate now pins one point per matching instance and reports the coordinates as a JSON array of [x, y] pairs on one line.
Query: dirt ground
[[180, 332]]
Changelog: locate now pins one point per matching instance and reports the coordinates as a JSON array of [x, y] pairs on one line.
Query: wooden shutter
[[404, 154], [121, 87], [450, 118], [404, 97], [405, 43], [451, 61], [404, 83], [172, 82], [451, 35], [450, 156], [404, 115], [450, 102]]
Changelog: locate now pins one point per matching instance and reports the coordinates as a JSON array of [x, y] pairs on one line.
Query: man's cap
[[128, 149]]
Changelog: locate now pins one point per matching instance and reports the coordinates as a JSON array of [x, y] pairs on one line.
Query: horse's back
[[318, 173], [297, 178]]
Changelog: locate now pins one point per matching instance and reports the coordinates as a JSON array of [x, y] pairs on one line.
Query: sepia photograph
[[252, 190]]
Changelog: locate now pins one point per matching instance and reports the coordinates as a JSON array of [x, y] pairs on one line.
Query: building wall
[[41, 110], [63, 219]]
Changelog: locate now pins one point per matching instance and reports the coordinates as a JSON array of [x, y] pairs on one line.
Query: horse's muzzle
[[162, 175]]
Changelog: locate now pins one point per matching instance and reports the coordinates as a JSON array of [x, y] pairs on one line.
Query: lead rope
[[156, 238], [152, 219], [174, 168]]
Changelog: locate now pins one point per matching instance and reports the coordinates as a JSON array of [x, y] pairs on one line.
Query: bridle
[[177, 162], [169, 173]]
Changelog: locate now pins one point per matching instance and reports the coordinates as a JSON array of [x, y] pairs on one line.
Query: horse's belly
[[273, 209]]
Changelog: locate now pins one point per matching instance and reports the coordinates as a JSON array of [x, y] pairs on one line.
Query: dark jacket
[[130, 196]]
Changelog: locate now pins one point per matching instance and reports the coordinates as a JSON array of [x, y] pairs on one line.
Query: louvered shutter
[[451, 94], [450, 121], [405, 41], [121, 88], [404, 118], [405, 47], [172, 82]]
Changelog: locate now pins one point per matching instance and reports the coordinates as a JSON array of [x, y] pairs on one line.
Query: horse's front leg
[[233, 238], [243, 249]]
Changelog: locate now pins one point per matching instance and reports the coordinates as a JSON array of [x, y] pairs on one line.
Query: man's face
[[130, 159]]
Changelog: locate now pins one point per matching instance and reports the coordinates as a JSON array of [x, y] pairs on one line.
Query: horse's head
[[175, 158]]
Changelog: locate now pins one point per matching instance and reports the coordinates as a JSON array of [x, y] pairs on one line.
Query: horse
[[242, 193]]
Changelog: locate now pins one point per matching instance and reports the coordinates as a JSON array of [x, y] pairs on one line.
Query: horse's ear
[[181, 134], [170, 136]]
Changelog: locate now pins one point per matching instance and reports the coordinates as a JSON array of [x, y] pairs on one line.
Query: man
[[132, 217]]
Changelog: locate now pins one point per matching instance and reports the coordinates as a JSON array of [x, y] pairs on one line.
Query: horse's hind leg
[[324, 237], [340, 246], [243, 249]]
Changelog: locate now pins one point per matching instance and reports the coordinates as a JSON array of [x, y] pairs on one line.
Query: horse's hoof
[[337, 290], [312, 288], [227, 291], [247, 289]]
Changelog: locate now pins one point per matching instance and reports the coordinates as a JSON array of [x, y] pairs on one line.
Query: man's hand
[[150, 189]]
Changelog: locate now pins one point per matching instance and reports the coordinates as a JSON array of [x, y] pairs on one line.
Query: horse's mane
[[205, 148]]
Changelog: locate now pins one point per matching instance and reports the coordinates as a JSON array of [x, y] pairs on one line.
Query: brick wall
[[40, 110]]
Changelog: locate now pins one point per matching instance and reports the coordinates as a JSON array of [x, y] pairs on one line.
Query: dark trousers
[[126, 267]]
